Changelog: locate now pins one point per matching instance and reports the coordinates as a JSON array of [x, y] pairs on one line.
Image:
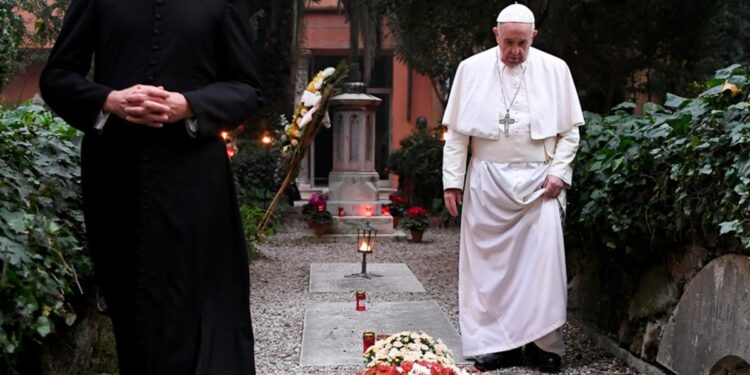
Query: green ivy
[[10, 40], [41, 226], [251, 217], [680, 172]]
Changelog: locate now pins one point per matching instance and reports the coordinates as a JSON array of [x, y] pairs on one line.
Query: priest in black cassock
[[161, 211]]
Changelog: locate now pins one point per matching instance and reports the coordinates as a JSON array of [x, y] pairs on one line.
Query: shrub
[[255, 169], [679, 173], [251, 217], [397, 207], [11, 38], [41, 227], [419, 165]]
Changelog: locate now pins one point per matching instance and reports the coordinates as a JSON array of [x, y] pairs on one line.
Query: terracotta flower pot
[[395, 221], [319, 229], [416, 235]]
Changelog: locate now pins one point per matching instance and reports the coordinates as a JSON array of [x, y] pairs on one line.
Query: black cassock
[[160, 206]]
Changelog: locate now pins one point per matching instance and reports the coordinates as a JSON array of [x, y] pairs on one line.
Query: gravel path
[[279, 296]]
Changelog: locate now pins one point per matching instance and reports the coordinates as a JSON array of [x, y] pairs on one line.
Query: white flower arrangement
[[310, 103], [308, 117], [410, 347]]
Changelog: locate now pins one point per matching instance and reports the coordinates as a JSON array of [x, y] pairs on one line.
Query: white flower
[[393, 353], [411, 357], [309, 99], [328, 72], [419, 370], [398, 344], [307, 118]]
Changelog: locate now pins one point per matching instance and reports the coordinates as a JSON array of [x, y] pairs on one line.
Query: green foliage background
[[419, 165], [680, 173], [615, 49], [41, 227]]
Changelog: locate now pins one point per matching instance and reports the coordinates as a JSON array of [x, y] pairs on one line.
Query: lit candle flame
[[224, 135], [368, 211], [364, 245], [266, 139]]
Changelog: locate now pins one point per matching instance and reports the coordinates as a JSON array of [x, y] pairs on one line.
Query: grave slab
[[333, 331], [331, 277]]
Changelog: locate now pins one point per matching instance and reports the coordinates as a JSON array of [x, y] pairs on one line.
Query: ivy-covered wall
[[655, 198]]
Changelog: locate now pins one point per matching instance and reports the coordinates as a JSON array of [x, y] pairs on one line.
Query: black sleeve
[[63, 83], [232, 100]]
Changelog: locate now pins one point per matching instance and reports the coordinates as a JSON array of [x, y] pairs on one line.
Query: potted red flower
[[317, 216], [416, 221]]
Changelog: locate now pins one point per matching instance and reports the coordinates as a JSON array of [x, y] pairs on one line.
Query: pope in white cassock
[[518, 109]]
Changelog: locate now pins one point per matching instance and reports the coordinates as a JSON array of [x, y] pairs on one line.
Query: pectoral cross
[[506, 122]]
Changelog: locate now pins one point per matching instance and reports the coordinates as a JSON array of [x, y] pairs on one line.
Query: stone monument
[[353, 183]]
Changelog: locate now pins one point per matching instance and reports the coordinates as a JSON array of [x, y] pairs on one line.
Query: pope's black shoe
[[494, 361], [544, 361]]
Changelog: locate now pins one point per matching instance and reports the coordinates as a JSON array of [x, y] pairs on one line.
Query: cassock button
[[152, 63], [158, 16], [159, 2], [151, 78], [154, 47], [157, 31]]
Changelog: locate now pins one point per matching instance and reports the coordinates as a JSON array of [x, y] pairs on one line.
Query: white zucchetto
[[516, 13]]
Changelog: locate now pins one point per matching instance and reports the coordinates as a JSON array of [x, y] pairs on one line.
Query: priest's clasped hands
[[148, 105]]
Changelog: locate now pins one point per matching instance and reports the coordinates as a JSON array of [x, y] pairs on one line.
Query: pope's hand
[[452, 199], [552, 186]]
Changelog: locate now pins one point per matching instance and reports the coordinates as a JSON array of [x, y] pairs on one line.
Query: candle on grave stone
[[361, 300], [368, 340], [341, 211], [368, 211]]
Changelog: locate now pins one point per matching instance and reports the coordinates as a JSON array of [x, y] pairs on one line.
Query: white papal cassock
[[512, 281]]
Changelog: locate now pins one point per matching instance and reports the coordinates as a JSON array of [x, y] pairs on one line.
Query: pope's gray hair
[[533, 25]]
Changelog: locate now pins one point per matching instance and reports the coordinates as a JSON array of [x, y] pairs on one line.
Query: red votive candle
[[361, 300], [341, 211], [368, 340]]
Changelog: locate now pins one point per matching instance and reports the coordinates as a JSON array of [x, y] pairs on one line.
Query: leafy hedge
[[41, 226], [680, 172], [419, 165], [10, 39]]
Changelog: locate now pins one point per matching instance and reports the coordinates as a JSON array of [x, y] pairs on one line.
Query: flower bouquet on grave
[[410, 353], [309, 115]]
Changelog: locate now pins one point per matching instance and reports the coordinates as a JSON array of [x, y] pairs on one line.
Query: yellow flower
[[732, 88]]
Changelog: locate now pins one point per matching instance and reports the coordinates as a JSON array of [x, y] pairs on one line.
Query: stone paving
[[280, 298]]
